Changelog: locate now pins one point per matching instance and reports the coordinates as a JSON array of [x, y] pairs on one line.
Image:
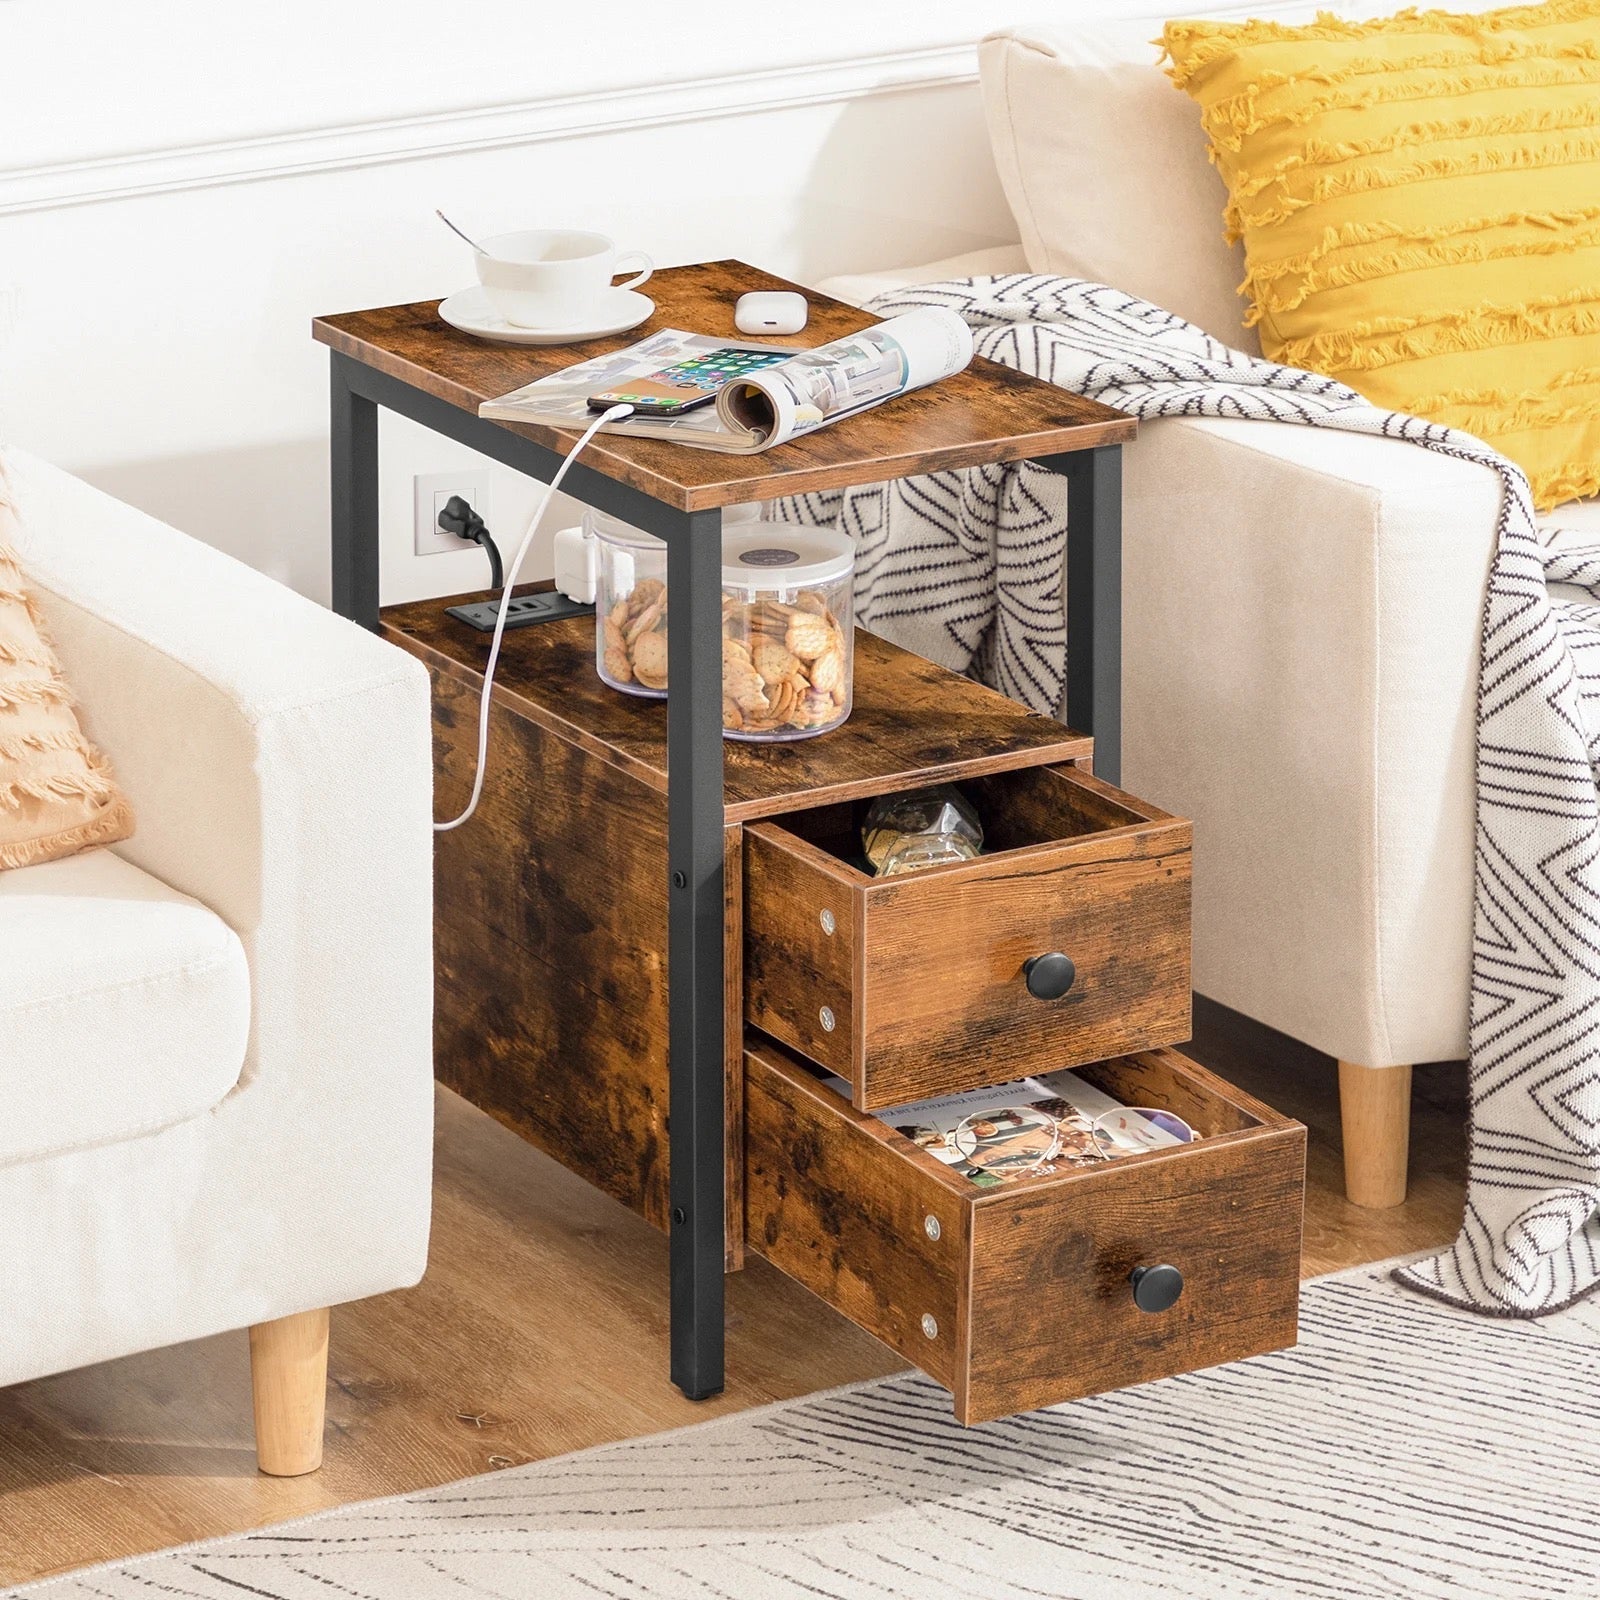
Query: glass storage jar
[[788, 648], [630, 611], [787, 641]]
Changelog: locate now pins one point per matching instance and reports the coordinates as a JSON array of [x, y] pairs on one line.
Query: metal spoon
[[459, 234]]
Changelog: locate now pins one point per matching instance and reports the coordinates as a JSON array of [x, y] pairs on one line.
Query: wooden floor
[[541, 1328]]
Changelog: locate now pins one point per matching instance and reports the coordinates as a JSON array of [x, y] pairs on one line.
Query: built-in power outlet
[[433, 491]]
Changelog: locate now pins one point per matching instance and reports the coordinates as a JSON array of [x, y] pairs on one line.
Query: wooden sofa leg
[[1375, 1108], [289, 1378]]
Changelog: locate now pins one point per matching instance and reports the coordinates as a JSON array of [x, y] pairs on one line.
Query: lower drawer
[[1021, 1296]]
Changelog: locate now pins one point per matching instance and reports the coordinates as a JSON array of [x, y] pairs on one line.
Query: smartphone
[[687, 384]]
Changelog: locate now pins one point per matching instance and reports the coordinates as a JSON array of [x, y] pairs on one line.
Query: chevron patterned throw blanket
[[965, 567]]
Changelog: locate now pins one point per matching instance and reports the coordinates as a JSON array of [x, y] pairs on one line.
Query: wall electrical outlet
[[432, 494]]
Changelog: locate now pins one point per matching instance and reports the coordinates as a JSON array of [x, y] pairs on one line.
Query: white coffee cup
[[553, 277]]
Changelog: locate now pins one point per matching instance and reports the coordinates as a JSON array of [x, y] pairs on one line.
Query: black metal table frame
[[694, 745]]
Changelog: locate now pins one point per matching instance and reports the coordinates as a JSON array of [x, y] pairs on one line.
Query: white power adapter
[[576, 565]]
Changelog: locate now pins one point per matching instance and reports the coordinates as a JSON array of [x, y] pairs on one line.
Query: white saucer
[[470, 311]]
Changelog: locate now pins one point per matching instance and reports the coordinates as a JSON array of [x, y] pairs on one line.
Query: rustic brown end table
[[406, 360]]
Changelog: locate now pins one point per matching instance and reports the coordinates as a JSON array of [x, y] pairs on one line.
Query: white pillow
[[1104, 162]]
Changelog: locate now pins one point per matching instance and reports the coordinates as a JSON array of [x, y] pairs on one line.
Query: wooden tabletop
[[988, 413]]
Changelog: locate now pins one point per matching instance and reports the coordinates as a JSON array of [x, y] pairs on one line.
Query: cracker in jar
[[808, 635], [784, 698], [650, 660], [827, 671], [817, 708], [773, 662], [617, 663], [645, 621], [741, 683], [645, 593]]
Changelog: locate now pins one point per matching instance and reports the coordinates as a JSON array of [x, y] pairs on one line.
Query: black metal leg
[[694, 946], [353, 431], [1094, 599]]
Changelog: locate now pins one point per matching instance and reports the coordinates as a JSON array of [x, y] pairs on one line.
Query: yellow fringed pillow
[[56, 794], [1419, 200]]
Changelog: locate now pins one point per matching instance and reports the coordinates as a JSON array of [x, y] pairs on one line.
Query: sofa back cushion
[[1105, 168], [56, 793], [1105, 164], [1419, 201]]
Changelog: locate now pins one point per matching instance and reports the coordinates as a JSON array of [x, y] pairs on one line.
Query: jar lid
[[784, 555], [615, 531]]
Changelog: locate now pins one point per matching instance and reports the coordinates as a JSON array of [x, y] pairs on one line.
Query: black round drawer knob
[[1048, 976], [1156, 1288]]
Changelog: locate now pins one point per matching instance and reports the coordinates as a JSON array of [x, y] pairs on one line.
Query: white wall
[[187, 184]]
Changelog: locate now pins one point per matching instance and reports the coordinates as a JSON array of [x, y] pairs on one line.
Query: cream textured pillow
[[56, 793]]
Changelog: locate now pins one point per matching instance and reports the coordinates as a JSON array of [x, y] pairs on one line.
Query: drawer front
[[1022, 1296], [1051, 1313], [918, 985]]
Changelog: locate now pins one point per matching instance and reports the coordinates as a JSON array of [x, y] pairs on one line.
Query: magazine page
[[1030, 1127], [837, 380], [562, 399]]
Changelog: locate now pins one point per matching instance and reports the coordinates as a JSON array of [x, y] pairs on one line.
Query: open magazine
[[1029, 1128], [760, 408]]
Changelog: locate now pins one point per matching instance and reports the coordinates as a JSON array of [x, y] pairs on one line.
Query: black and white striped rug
[[1401, 1449]]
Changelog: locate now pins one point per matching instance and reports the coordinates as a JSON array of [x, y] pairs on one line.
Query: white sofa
[[1302, 610], [215, 1051]]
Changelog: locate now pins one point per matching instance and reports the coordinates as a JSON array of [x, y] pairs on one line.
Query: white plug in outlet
[[432, 493]]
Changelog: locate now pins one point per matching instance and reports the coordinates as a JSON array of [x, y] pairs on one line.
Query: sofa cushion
[[1417, 200], [56, 792], [1105, 166], [124, 1005]]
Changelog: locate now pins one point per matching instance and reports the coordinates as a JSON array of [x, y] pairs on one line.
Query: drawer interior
[[1033, 806], [1157, 1080]]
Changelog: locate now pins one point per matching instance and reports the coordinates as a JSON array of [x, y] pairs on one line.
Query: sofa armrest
[[279, 763], [856, 288], [241, 718], [1303, 618]]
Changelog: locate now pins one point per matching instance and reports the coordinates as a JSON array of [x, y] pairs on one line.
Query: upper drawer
[[918, 985]]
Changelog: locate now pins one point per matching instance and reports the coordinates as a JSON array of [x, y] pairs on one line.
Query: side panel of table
[[551, 1005]]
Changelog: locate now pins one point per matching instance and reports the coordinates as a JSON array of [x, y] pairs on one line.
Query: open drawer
[[1022, 1295], [926, 983]]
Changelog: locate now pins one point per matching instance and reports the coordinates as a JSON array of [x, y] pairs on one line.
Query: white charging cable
[[613, 415]]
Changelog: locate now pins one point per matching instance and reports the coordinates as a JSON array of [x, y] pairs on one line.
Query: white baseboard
[[358, 144]]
